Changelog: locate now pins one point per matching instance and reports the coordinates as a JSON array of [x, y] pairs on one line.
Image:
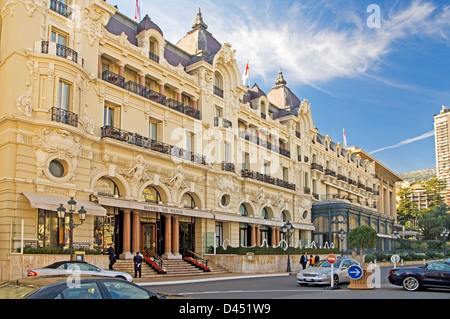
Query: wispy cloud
[[407, 141], [312, 41]]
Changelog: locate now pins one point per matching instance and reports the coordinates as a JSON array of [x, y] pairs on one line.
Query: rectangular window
[[111, 116], [51, 232], [63, 95], [153, 131], [219, 233]]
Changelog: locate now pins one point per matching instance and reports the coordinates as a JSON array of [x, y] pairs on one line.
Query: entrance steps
[[173, 267]]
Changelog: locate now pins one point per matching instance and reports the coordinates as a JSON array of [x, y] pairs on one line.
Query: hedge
[[271, 250], [59, 251]]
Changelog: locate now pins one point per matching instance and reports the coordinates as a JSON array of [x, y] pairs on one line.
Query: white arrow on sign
[[355, 271]]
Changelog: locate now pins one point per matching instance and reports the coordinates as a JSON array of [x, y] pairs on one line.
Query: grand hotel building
[[161, 143]]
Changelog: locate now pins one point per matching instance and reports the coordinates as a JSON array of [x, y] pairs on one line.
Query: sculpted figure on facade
[[24, 102], [137, 175]]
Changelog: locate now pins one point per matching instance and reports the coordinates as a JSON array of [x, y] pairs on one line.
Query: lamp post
[[288, 230], [72, 204], [341, 235], [444, 235]]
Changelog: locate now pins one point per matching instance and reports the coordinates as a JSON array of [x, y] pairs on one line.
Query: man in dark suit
[[112, 256], [137, 265], [304, 260]]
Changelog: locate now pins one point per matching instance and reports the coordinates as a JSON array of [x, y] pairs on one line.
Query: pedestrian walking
[[112, 256], [311, 260], [137, 259], [304, 260], [316, 258]]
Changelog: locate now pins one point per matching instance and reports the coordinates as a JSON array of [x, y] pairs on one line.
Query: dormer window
[[153, 50], [218, 85]]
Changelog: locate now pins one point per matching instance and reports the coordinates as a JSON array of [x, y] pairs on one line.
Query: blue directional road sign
[[355, 272]]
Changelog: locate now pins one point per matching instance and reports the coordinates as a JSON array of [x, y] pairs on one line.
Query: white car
[[77, 267], [320, 273]]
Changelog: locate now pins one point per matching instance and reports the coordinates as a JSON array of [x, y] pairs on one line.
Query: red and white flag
[[245, 76], [137, 13], [345, 138]]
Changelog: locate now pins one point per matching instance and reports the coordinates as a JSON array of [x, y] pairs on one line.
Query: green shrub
[[370, 258], [60, 251]]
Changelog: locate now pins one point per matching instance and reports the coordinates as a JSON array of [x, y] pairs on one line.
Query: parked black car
[[72, 287], [434, 274]]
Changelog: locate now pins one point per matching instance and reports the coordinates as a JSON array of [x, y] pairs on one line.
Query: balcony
[[134, 87], [64, 116], [59, 50], [113, 78], [153, 57], [228, 167], [267, 179], [147, 143], [264, 143], [61, 8], [330, 172], [218, 121], [317, 167]]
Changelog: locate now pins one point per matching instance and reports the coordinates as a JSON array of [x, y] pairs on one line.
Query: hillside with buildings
[[420, 175]]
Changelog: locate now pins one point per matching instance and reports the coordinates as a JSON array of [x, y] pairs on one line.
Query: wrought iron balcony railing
[[134, 87], [64, 116], [145, 142], [267, 179], [60, 50], [61, 8]]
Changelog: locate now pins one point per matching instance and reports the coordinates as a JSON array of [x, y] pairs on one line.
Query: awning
[[52, 203]]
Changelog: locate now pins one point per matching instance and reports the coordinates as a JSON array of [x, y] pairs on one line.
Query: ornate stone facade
[[163, 141]]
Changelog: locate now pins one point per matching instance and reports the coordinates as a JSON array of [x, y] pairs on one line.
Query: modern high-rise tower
[[442, 140]]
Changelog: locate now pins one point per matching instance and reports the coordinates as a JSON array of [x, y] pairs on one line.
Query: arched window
[[283, 217], [243, 210], [218, 84], [187, 201], [264, 214], [153, 53], [150, 194], [106, 187]]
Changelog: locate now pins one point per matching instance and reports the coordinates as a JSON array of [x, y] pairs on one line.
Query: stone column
[[136, 243], [126, 239], [176, 236], [258, 235], [252, 235], [168, 237]]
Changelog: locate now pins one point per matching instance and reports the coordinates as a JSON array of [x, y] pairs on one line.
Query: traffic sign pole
[[332, 259]]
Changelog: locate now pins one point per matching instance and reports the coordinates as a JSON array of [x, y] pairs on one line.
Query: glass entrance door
[[148, 239]]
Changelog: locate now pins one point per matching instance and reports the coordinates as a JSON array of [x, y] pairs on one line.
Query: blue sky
[[379, 69]]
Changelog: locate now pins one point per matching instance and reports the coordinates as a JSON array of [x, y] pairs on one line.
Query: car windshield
[[15, 291], [324, 263]]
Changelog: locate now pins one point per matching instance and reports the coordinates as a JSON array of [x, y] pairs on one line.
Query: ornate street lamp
[[341, 235], [444, 235], [72, 204], [288, 230]]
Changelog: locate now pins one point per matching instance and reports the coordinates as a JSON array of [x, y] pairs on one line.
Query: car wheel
[[411, 283], [335, 280], [121, 277]]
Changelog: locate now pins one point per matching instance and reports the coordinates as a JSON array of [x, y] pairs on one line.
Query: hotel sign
[[149, 207]]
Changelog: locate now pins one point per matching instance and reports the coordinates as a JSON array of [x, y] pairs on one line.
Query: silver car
[[77, 267], [320, 273]]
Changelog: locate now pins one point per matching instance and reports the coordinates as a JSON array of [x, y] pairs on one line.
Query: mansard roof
[[147, 24], [282, 96], [198, 44]]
